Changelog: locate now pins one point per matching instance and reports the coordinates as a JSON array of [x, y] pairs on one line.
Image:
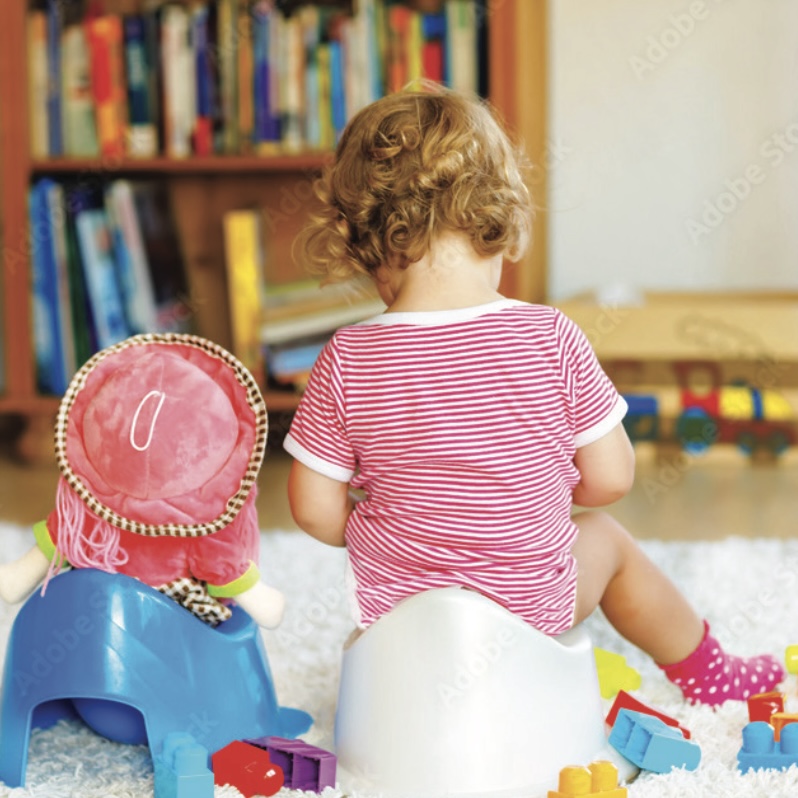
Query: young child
[[471, 422]]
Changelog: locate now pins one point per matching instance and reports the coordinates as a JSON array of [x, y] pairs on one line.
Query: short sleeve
[[318, 435], [595, 406]]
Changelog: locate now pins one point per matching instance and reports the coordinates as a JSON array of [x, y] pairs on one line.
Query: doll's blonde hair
[[408, 167]]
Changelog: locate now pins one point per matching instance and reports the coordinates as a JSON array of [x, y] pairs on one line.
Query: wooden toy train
[[751, 418]]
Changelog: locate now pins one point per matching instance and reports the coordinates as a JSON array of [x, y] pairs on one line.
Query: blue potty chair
[[134, 666]]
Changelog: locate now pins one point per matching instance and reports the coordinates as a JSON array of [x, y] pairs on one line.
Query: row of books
[[231, 76], [105, 264], [277, 323]]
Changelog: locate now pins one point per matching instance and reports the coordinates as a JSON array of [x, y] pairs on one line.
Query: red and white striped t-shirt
[[461, 427]]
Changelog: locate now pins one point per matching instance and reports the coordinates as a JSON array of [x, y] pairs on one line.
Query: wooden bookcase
[[203, 189]]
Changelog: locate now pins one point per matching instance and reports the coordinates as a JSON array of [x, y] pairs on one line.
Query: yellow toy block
[[791, 659], [598, 780], [614, 674]]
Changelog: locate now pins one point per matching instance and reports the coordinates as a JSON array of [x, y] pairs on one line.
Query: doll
[[159, 440]]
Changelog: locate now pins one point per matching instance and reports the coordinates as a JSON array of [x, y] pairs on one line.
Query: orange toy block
[[778, 720], [598, 780], [762, 706]]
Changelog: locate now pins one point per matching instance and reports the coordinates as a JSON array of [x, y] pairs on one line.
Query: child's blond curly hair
[[408, 167]]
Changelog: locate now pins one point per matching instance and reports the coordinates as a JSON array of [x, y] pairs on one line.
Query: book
[[462, 63], [291, 88], [143, 140], [246, 77], [46, 292], [79, 123], [106, 53], [298, 324], [227, 56], [55, 20], [38, 84], [243, 245], [99, 268], [83, 339], [164, 255], [202, 136], [178, 80], [289, 364], [133, 268], [266, 120]]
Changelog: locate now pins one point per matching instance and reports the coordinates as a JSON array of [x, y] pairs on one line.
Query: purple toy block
[[760, 751], [305, 767]]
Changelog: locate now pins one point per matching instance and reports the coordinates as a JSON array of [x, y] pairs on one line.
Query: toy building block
[[760, 751], [614, 674], [652, 744], [305, 766], [248, 768], [763, 705], [626, 701], [598, 780], [791, 659], [181, 769], [778, 720]]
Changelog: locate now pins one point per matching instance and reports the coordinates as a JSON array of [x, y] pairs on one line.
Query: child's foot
[[711, 676]]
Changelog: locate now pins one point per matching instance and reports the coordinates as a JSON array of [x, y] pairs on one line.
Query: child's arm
[[18, 579], [319, 504], [607, 469]]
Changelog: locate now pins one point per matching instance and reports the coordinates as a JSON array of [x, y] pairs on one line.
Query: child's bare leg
[[637, 598], [649, 611]]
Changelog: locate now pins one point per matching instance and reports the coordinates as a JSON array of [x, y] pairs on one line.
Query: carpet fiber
[[743, 587]]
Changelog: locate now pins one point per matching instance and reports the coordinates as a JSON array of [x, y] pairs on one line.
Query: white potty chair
[[450, 694]]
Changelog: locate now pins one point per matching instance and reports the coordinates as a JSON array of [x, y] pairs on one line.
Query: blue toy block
[[761, 751], [181, 770], [652, 744], [134, 666]]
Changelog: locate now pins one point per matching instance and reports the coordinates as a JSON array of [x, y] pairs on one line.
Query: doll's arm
[[18, 579]]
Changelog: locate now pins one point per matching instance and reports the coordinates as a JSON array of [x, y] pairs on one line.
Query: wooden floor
[[676, 496]]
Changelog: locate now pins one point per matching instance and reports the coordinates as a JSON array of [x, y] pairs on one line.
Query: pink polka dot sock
[[711, 676]]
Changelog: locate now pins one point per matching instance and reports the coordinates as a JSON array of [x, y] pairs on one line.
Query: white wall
[[673, 155]]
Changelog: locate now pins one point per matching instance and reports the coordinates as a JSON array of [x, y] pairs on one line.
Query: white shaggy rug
[[743, 587]]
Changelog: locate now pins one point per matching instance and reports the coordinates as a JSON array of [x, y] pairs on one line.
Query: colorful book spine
[[337, 88], [79, 123], [133, 267], [47, 327], [105, 297], [433, 58], [462, 63], [311, 36], [143, 131], [203, 125], [246, 91], [266, 119], [38, 82], [227, 50], [106, 48], [178, 71], [244, 258], [55, 20], [291, 91]]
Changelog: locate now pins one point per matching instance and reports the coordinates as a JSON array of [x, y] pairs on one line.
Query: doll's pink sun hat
[[162, 434]]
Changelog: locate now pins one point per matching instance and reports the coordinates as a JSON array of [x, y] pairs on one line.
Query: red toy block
[[762, 706], [247, 768], [626, 701]]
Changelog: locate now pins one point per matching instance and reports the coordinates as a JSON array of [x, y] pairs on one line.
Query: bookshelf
[[202, 189]]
